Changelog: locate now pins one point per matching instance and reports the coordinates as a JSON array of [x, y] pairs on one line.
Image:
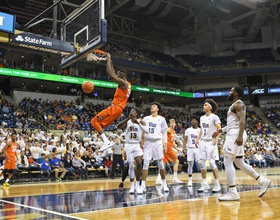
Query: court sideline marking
[[42, 210]]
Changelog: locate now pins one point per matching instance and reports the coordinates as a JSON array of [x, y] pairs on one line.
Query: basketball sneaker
[[176, 180], [204, 187], [143, 189], [139, 190], [132, 190], [230, 196], [159, 181], [189, 183], [264, 186], [6, 184], [106, 146], [121, 187], [217, 187]]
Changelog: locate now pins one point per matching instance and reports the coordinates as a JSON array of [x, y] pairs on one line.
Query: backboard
[[86, 28]]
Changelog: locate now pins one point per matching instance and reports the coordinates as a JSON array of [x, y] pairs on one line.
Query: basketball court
[[101, 199]]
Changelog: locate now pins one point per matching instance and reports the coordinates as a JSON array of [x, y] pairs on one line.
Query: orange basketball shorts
[[109, 115], [169, 156]]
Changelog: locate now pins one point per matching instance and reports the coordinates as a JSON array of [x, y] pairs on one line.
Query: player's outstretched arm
[[122, 125], [112, 73]]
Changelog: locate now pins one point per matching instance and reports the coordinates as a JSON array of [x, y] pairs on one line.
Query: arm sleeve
[[224, 129], [144, 128]]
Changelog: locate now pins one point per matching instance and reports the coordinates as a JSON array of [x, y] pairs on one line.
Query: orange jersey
[[170, 137], [121, 96], [11, 151]]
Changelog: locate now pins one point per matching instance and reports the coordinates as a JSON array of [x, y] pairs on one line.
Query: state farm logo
[[19, 38]]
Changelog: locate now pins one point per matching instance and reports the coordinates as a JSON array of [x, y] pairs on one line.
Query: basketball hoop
[[97, 56]]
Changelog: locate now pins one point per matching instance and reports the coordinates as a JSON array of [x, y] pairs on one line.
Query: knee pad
[[146, 164], [213, 164], [160, 164], [202, 164]]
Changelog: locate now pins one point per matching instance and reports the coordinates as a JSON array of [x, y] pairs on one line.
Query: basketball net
[[97, 56]]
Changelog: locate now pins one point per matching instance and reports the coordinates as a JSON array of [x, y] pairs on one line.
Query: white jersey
[[208, 125], [192, 135], [157, 126], [232, 119], [133, 133]]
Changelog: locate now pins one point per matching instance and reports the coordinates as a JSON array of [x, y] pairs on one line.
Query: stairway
[[263, 116]]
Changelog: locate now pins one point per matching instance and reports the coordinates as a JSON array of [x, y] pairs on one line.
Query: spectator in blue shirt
[[57, 167], [46, 167]]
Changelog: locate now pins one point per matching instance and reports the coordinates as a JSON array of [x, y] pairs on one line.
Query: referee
[[117, 157]]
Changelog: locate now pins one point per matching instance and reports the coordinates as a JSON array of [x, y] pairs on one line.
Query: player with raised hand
[[115, 110]]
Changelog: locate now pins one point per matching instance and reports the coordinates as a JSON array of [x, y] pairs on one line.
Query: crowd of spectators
[[273, 114], [136, 54], [12, 117]]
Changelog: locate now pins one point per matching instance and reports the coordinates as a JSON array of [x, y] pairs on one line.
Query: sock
[[104, 138], [175, 176], [232, 189], [204, 181], [164, 182], [216, 180], [7, 180], [131, 184], [137, 183], [190, 179]]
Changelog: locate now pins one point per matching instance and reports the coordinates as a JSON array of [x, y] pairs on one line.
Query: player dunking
[[234, 146], [133, 133], [10, 159], [209, 123], [153, 146], [109, 115], [191, 135], [170, 155]]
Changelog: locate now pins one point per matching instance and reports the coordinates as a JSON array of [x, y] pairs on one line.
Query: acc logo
[[19, 38], [258, 91]]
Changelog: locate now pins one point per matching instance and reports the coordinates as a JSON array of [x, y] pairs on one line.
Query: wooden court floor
[[100, 199]]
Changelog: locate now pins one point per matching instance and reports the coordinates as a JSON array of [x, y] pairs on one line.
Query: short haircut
[[123, 71], [213, 104], [172, 119], [158, 105], [43, 154], [196, 118], [239, 91]]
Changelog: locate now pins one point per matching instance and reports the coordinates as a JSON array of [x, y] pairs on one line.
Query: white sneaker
[[143, 189], [189, 183], [139, 190], [204, 187], [176, 180], [105, 146], [1, 177], [264, 186], [165, 188], [230, 196], [217, 187], [132, 190], [159, 181]]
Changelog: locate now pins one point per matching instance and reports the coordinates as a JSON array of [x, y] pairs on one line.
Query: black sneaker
[[121, 187]]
